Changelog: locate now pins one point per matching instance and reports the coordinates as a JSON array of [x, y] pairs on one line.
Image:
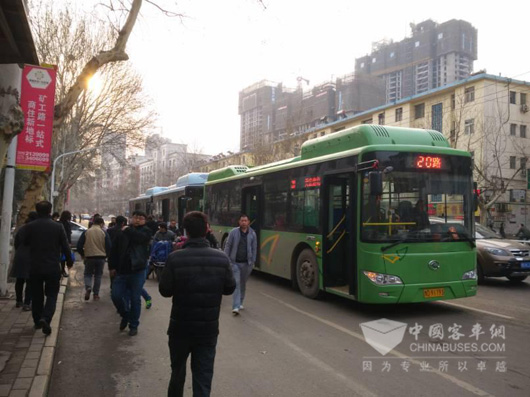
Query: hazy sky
[[193, 69]]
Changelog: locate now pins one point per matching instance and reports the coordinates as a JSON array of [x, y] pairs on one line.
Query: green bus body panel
[[368, 135]]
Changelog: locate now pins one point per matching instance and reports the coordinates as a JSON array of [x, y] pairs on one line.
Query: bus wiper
[[403, 240]]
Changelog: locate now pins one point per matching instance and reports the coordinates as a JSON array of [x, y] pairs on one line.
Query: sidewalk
[[26, 355]]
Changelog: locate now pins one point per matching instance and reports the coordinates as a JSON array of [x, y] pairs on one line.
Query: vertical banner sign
[[37, 100]]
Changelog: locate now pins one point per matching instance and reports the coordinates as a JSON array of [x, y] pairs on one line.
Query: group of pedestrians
[[195, 277]]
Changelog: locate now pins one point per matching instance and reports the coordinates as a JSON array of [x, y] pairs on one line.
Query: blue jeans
[[202, 352], [125, 286], [241, 274], [93, 269]]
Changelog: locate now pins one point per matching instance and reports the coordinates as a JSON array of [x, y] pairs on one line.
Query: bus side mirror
[[376, 183]]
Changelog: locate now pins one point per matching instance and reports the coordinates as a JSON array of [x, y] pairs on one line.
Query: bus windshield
[[418, 205]]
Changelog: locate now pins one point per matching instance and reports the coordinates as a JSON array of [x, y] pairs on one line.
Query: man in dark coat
[[47, 240], [196, 277], [128, 261]]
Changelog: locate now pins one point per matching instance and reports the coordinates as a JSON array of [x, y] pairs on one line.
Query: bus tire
[[307, 274]]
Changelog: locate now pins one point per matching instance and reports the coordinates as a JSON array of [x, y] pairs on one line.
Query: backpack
[[160, 251]]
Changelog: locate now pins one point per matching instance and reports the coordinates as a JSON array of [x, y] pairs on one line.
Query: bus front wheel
[[307, 273]]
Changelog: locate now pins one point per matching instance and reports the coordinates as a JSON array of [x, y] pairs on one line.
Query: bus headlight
[[382, 279], [470, 275]]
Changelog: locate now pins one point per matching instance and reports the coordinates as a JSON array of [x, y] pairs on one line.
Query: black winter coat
[[47, 241], [22, 260], [196, 276]]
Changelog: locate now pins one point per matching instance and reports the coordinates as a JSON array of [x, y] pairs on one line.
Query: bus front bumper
[[413, 293]]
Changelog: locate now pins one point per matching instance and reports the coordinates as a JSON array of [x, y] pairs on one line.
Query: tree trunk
[[32, 195], [11, 124]]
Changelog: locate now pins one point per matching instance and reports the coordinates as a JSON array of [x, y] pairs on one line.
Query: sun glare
[[95, 83]]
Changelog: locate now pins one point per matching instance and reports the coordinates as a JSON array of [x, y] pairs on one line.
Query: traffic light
[[476, 195]]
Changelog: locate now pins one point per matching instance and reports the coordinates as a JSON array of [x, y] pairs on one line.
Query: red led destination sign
[[428, 162]]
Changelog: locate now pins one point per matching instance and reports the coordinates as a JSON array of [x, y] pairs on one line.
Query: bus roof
[[192, 179], [349, 142], [367, 135]]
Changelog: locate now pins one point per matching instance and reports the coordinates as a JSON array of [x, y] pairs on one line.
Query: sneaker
[[148, 304], [241, 307], [96, 297], [26, 308], [235, 312], [64, 274], [87, 294], [46, 329], [133, 331], [38, 326], [18, 304]]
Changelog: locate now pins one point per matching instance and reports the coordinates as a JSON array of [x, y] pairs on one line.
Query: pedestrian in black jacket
[[47, 240], [21, 267], [196, 276], [128, 262]]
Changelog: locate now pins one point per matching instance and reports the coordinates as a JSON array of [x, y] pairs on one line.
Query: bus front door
[[337, 227], [251, 207]]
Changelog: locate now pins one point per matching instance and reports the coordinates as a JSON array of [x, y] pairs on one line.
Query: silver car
[[77, 231]]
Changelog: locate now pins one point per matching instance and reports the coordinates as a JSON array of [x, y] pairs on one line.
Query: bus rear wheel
[[307, 274]]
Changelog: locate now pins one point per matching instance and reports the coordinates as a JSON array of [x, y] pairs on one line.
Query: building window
[[523, 99], [522, 131], [453, 102], [381, 118], [392, 54], [440, 36], [469, 94], [512, 162], [437, 117], [373, 60], [522, 162], [399, 114], [362, 64], [512, 97], [419, 111], [417, 44], [513, 129], [469, 127]]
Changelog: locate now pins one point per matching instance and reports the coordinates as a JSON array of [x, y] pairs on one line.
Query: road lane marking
[[476, 310], [464, 385], [359, 389]]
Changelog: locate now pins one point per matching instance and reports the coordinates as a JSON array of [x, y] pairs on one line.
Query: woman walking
[[65, 218]]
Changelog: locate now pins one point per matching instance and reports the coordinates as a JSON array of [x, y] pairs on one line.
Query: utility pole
[[7, 214]]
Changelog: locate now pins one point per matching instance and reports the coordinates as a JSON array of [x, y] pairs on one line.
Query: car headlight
[[471, 275], [498, 252], [383, 279]]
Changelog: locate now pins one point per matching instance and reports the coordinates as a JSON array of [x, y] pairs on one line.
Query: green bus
[[374, 213]]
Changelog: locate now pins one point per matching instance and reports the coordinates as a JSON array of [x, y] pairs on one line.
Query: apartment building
[[434, 55]]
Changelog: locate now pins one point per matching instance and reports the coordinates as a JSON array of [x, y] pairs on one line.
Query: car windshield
[[483, 232], [411, 198]]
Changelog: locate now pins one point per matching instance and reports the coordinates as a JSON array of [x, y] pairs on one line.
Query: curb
[[41, 381]]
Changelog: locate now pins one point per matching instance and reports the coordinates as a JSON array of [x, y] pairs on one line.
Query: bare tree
[[73, 85], [486, 132]]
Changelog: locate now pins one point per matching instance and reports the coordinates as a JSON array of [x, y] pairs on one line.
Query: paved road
[[286, 345]]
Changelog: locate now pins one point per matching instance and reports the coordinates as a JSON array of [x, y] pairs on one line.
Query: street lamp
[[53, 193]]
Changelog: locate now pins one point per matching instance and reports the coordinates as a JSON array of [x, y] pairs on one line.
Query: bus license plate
[[433, 292]]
